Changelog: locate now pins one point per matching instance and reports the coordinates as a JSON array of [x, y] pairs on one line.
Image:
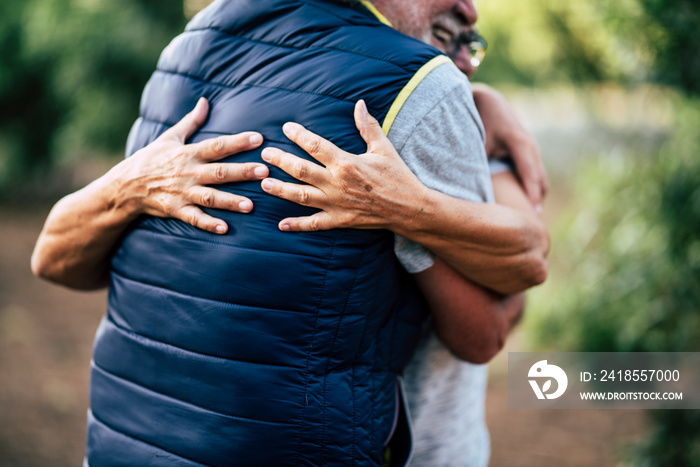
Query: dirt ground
[[45, 342]]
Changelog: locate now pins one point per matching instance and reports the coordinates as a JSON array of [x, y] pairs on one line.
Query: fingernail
[[245, 206], [267, 185], [290, 127], [200, 102], [265, 154], [256, 139], [363, 106], [285, 227], [260, 171], [220, 228], [538, 208]]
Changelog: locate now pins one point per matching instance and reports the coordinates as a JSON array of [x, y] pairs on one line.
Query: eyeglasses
[[473, 41]]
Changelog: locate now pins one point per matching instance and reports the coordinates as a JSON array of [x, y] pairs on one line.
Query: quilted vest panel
[[259, 347]]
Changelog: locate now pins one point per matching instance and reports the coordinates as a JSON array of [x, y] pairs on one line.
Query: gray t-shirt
[[440, 136]]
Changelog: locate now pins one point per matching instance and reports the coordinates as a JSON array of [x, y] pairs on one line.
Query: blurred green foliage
[[71, 73], [664, 34], [625, 271], [541, 42], [625, 262], [626, 256], [628, 41]]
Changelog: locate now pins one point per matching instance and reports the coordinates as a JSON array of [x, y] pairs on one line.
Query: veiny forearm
[[74, 246], [494, 246]]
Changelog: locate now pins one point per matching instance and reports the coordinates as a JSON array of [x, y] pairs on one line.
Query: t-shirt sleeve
[[439, 135]]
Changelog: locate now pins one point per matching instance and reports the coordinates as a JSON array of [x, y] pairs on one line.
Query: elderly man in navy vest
[[236, 338]]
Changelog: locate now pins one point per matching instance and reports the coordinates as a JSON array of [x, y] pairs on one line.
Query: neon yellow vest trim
[[409, 88], [376, 13]]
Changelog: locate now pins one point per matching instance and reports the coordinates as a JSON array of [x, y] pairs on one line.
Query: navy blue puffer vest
[[259, 348]]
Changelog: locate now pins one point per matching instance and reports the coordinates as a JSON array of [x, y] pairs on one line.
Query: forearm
[[494, 246], [74, 246], [470, 320]]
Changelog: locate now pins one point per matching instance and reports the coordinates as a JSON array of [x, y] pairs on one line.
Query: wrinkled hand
[[169, 178], [371, 190], [505, 136]]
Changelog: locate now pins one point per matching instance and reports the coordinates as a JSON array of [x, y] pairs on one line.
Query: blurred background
[[610, 90]]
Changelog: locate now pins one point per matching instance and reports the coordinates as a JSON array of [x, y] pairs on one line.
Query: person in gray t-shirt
[[446, 396]]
